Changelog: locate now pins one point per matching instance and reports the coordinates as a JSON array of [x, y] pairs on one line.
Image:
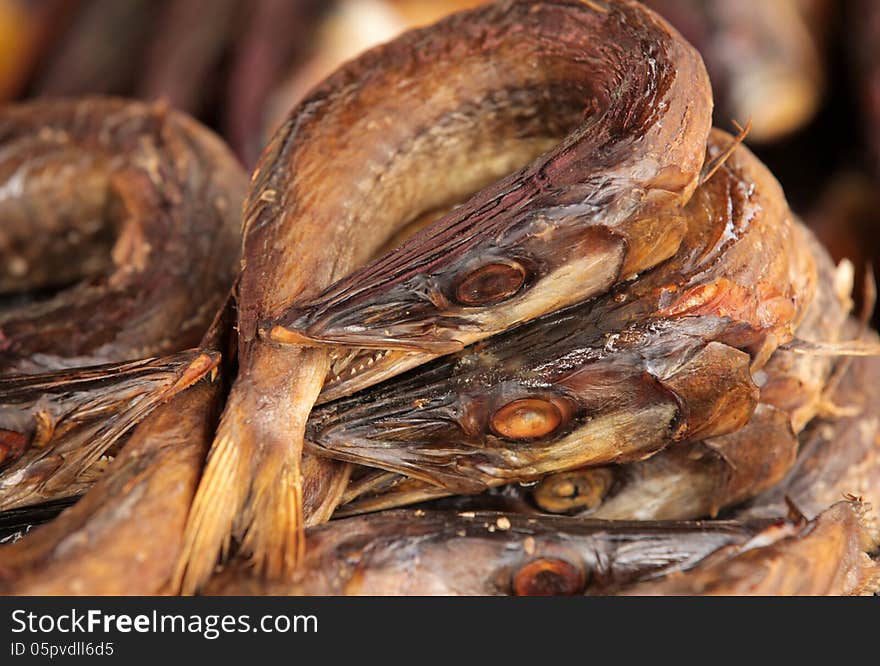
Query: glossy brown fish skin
[[481, 94], [690, 480], [64, 422], [125, 534], [486, 553], [699, 479], [826, 556], [599, 207], [148, 196], [656, 361]]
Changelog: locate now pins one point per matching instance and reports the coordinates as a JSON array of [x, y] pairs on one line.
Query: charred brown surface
[[147, 197]]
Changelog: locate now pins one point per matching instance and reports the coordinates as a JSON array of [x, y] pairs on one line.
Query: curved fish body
[[124, 535], [146, 198], [668, 357], [488, 553], [56, 428], [472, 98], [624, 106], [827, 556]]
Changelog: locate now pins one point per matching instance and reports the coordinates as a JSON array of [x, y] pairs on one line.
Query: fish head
[[460, 280], [489, 416]]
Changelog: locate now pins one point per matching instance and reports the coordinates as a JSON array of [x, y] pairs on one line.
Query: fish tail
[[218, 501], [275, 536], [252, 485]]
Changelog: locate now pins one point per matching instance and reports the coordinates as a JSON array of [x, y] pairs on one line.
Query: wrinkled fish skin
[[487, 553], [504, 75], [149, 200], [699, 479], [665, 358], [839, 452]]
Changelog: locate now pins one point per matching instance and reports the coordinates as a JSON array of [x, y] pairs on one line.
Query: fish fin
[[218, 499], [713, 166], [841, 348], [252, 485], [275, 535]]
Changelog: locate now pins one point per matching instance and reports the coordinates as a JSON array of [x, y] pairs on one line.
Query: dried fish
[[668, 357], [146, 197], [519, 79]]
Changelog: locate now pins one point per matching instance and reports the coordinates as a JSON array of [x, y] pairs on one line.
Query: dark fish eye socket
[[549, 577], [571, 491], [490, 283], [527, 418]]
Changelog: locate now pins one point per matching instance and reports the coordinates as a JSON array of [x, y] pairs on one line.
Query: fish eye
[[549, 577], [572, 491], [527, 418], [490, 283]]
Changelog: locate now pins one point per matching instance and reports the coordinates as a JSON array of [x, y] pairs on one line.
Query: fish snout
[[413, 326]]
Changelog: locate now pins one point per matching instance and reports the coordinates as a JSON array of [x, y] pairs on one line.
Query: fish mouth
[[460, 303], [398, 339], [402, 438], [401, 322], [355, 366]]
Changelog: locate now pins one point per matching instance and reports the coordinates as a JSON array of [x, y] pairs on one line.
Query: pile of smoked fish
[[525, 297]]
